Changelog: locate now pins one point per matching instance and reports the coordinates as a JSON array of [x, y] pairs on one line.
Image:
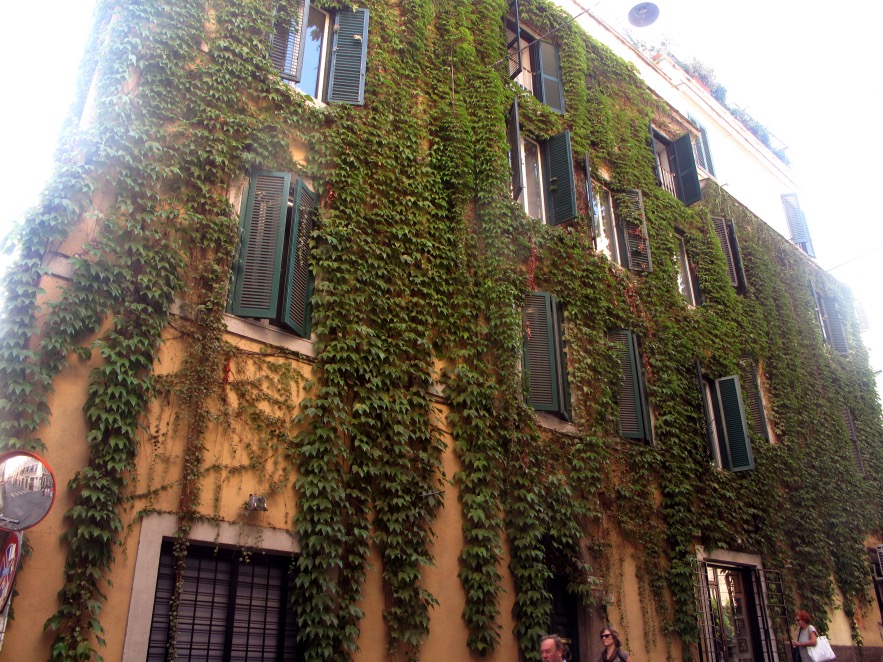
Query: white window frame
[[686, 282], [323, 58], [605, 239], [709, 394], [541, 180]]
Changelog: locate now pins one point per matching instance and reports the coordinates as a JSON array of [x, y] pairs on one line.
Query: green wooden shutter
[[753, 397], [797, 225], [737, 454], [634, 419], [737, 257], [262, 233], [849, 421], [634, 245], [513, 44], [720, 229], [547, 86], [298, 279], [561, 357], [684, 168], [513, 133], [540, 362], [594, 220], [833, 324], [560, 185], [701, 151], [349, 54], [652, 144], [286, 47]]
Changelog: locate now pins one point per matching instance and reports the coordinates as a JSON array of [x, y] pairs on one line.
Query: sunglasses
[[605, 636]]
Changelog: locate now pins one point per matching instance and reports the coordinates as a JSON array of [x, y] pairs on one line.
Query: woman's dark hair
[[614, 633]]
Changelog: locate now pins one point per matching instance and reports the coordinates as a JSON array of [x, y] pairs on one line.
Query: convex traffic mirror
[[27, 490]]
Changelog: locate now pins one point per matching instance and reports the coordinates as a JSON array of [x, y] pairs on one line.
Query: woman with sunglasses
[[612, 647], [806, 635]]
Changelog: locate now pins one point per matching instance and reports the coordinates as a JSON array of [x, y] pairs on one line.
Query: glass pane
[[605, 240], [684, 278], [312, 62], [533, 180]]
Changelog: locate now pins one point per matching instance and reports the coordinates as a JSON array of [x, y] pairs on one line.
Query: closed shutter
[[262, 233], [720, 229], [684, 167], [540, 362], [286, 48], [298, 279], [513, 133], [513, 43], [634, 419], [737, 455], [349, 53], [634, 245], [835, 332], [547, 85], [853, 438], [560, 185], [753, 398]]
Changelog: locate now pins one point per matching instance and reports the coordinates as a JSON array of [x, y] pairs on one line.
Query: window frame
[[688, 280], [798, 229], [729, 243], [606, 238], [676, 158], [543, 75], [726, 424]]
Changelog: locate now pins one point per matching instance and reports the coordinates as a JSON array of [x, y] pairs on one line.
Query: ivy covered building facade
[[416, 330]]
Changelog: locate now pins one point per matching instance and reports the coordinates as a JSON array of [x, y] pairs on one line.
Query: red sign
[[8, 564]]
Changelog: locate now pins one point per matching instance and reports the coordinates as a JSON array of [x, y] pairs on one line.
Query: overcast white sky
[[802, 69]]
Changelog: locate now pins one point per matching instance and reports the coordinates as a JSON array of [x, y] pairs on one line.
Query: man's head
[[552, 648]]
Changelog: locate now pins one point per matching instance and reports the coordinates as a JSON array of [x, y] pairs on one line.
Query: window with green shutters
[[631, 231], [726, 235], [797, 226], [271, 277], [828, 313], [534, 64], [676, 166], [545, 363], [634, 410], [324, 54], [726, 426], [542, 173]]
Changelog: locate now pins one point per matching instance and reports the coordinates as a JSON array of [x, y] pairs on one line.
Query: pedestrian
[[552, 648], [612, 647], [806, 635]]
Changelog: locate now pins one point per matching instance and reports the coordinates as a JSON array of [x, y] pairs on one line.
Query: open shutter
[[835, 332], [720, 229], [540, 362], [349, 53], [684, 166], [513, 42], [753, 398], [513, 133], [286, 48], [547, 85], [797, 223], [298, 279], [710, 438], [262, 235], [634, 245], [560, 186], [853, 438], [633, 415], [737, 444], [652, 143]]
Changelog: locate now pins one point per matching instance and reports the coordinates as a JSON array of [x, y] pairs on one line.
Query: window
[[542, 173], [676, 168], [533, 64], [742, 612], [726, 235], [230, 608], [752, 389], [271, 277], [701, 152], [545, 361], [604, 223], [300, 51], [849, 421], [688, 283], [828, 314], [631, 231], [634, 412], [797, 224], [729, 444]]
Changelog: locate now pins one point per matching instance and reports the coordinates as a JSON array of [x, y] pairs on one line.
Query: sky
[[803, 70]]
